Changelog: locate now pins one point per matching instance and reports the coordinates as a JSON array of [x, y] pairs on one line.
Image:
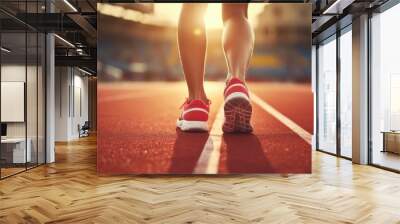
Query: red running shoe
[[237, 107], [194, 116]]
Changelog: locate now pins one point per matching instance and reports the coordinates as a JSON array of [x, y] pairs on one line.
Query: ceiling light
[[84, 71], [65, 41], [338, 6], [70, 5], [5, 50]]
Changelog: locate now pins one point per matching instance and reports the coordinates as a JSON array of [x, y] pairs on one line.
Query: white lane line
[[282, 118], [209, 159]]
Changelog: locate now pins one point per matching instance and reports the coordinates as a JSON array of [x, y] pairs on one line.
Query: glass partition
[[32, 100], [22, 88], [31, 97], [41, 109], [14, 153]]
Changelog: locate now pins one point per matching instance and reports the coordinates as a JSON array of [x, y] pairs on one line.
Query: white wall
[[15, 73], [13, 101], [62, 81], [33, 126], [83, 83], [70, 83]]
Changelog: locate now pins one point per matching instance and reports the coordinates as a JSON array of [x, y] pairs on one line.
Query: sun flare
[[169, 13], [213, 16]]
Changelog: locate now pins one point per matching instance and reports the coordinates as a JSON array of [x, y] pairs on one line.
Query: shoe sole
[[238, 112], [192, 126]]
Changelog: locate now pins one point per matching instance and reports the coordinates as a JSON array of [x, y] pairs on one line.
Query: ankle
[[241, 78], [199, 97]]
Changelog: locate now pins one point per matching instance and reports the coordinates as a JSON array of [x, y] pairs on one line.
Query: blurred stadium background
[[137, 41]]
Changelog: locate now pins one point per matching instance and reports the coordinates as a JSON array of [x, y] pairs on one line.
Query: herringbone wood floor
[[70, 191]]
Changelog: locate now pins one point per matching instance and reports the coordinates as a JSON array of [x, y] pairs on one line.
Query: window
[[327, 95], [346, 92], [385, 89]]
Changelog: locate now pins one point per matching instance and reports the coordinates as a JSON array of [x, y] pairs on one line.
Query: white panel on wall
[[12, 101]]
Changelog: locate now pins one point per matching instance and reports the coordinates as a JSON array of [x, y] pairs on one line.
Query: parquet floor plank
[[70, 191]]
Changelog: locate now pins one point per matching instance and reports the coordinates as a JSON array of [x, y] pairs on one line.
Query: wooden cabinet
[[391, 141]]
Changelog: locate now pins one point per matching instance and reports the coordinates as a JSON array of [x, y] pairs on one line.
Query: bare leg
[[238, 39], [192, 43]]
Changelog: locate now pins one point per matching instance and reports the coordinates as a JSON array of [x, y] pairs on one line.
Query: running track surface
[[137, 134]]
